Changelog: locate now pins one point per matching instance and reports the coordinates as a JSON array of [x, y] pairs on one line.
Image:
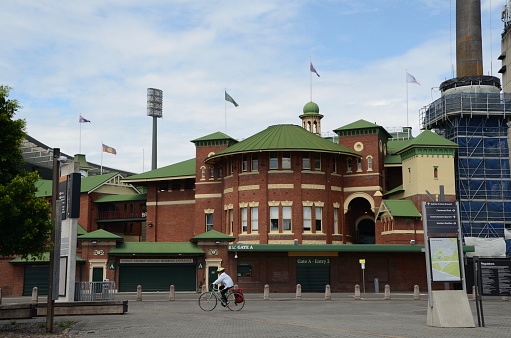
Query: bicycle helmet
[[220, 270]]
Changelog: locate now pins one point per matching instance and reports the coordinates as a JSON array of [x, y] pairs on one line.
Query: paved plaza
[[285, 316]]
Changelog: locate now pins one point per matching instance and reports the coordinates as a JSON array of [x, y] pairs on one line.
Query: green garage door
[[36, 275], [313, 273], [157, 277]]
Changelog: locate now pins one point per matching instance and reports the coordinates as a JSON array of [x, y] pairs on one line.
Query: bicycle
[[208, 300]]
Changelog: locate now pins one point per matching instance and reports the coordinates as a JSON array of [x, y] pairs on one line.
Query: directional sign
[[441, 217]]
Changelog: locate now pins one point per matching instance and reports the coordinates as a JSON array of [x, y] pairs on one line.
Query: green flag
[[230, 99]]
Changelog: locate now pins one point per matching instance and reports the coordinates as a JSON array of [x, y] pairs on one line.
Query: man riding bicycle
[[226, 281]]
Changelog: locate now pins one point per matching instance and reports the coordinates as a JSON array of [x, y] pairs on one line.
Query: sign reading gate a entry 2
[[442, 218]]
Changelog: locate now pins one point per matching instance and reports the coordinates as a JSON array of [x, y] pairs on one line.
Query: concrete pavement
[[285, 316]]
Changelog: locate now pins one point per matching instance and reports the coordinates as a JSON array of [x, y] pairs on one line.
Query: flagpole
[[101, 172], [310, 63], [225, 112], [80, 139], [406, 80]]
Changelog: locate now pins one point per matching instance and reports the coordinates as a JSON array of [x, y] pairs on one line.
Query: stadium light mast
[[154, 109]]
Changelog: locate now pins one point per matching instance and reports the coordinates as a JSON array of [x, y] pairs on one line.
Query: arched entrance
[[365, 230], [359, 218]]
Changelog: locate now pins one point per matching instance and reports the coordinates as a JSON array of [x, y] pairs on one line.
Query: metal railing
[[94, 291]]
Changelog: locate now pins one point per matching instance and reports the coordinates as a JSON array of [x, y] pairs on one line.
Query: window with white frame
[[286, 218], [319, 216], [369, 163], [307, 218], [334, 165], [359, 164], [255, 163], [348, 164], [244, 162], [254, 219], [306, 161], [336, 220], [244, 219], [209, 221], [317, 162], [211, 173], [286, 160], [231, 220], [274, 218], [274, 160]]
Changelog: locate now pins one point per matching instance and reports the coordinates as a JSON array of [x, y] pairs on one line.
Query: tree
[[25, 222]]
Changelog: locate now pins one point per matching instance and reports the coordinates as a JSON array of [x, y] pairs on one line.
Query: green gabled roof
[[362, 124], [428, 139], [401, 208], [45, 187], [399, 188], [80, 230], [92, 182], [213, 235], [214, 137], [284, 137], [100, 235], [121, 198], [156, 248], [45, 258], [184, 169]]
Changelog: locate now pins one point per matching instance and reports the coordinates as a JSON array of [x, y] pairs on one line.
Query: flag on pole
[[230, 99], [314, 69], [110, 150], [83, 120], [411, 79]]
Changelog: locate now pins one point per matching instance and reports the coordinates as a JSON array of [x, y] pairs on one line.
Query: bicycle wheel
[[207, 301], [231, 299]]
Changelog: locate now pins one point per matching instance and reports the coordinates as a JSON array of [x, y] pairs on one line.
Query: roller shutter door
[[36, 276], [157, 277], [313, 278]]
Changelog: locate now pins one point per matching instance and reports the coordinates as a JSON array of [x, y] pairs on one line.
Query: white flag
[[411, 79]]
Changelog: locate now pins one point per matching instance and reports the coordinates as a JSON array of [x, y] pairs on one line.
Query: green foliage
[[25, 222]]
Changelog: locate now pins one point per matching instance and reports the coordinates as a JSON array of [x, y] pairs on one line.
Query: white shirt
[[224, 279]]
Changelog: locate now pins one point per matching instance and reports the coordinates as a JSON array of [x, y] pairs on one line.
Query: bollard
[[387, 292], [416, 294], [172, 293], [203, 288], [35, 292], [139, 293], [357, 292], [298, 291], [328, 295], [266, 292], [505, 298], [474, 296]]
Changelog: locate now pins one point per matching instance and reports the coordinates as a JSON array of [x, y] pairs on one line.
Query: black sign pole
[[476, 288]]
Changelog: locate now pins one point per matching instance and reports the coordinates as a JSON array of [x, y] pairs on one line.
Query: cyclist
[[226, 281]]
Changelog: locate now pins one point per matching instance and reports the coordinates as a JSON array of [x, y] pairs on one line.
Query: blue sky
[[97, 59]]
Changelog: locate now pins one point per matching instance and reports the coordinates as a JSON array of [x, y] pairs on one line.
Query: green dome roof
[[311, 108]]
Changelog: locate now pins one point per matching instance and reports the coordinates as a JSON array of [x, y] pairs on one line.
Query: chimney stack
[[469, 54]]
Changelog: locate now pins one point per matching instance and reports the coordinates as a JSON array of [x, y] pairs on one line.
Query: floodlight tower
[[154, 109]]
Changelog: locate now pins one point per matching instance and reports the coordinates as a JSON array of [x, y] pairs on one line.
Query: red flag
[[110, 150]]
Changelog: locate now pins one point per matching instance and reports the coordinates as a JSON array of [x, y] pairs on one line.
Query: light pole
[[154, 109]]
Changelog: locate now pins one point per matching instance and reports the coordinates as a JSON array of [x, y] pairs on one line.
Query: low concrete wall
[[17, 311], [21, 311]]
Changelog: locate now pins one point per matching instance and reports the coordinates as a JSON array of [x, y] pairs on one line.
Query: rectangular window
[[274, 160], [220, 172], [286, 218], [244, 270], [274, 218], [319, 215], [307, 214], [244, 162], [336, 220], [209, 222], [255, 163], [254, 219], [306, 161], [244, 220], [348, 165], [286, 160], [212, 173], [231, 220], [359, 164], [334, 166], [317, 162]]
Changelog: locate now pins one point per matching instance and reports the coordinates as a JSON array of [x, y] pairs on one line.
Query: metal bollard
[[416, 293], [387, 292], [172, 293], [35, 292], [298, 291], [328, 295], [139, 293], [266, 295], [505, 298], [357, 292]]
